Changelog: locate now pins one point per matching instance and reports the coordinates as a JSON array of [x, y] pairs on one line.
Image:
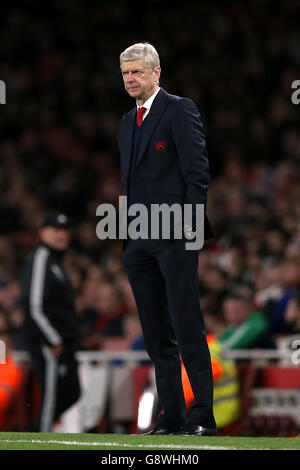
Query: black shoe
[[162, 432], [157, 432], [196, 430]]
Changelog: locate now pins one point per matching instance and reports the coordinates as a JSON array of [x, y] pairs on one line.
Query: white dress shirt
[[148, 103]]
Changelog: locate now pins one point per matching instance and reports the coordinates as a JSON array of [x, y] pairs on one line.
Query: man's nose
[[129, 78]]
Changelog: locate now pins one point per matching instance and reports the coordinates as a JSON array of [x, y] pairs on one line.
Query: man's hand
[[188, 231], [56, 350]]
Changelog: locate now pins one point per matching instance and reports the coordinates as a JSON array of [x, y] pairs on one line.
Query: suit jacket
[[172, 164]]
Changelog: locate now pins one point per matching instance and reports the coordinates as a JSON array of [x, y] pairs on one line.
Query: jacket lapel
[[158, 106]]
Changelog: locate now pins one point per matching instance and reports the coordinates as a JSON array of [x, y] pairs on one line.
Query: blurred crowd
[[58, 150]]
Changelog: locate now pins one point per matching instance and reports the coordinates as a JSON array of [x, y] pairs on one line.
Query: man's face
[[56, 238], [139, 80], [235, 311]]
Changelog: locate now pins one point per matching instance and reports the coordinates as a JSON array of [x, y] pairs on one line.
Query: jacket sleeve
[[37, 289], [189, 137]]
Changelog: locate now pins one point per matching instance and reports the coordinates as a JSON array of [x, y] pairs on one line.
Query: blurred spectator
[[214, 320], [133, 331], [214, 281], [290, 283], [246, 328], [102, 315], [292, 315], [111, 309]]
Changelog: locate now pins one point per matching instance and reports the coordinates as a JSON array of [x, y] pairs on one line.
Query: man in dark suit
[[163, 160]]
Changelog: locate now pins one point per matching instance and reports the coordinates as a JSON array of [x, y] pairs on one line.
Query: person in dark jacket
[[164, 162], [50, 328]]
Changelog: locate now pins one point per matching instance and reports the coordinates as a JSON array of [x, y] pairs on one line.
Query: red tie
[[140, 114]]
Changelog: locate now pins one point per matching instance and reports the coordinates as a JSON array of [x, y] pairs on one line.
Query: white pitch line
[[116, 444]]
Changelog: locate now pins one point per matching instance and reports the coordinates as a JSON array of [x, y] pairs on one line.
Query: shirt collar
[[149, 101]]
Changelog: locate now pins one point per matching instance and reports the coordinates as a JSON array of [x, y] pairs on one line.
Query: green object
[[244, 335]]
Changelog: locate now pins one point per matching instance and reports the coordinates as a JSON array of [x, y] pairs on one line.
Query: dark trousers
[[164, 280], [59, 384]]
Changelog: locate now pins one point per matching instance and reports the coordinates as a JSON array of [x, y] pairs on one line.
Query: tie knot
[[140, 114]]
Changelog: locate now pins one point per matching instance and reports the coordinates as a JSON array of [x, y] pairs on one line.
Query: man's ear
[[157, 72]]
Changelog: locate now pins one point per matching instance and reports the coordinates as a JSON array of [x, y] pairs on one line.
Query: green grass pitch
[[88, 441]]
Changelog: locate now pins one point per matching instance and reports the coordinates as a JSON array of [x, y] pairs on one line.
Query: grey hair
[[141, 50]]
